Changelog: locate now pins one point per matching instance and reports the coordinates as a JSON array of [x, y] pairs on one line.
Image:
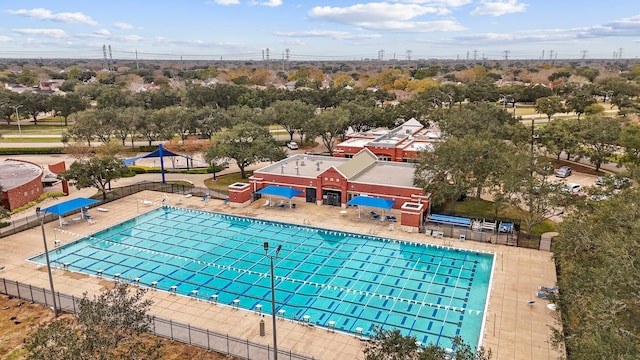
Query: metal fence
[[166, 328], [32, 221]]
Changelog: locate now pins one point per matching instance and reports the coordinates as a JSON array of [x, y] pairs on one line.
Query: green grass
[[223, 181], [483, 209], [30, 140]]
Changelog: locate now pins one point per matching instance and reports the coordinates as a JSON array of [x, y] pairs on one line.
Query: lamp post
[[273, 296], [46, 254], [213, 169], [18, 118]]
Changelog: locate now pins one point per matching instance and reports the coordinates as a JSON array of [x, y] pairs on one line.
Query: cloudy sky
[[321, 30]]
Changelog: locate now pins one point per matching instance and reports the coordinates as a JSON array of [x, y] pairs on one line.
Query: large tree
[[597, 253], [290, 114], [329, 125], [112, 325], [94, 172], [34, 104], [392, 345], [600, 137], [246, 143], [549, 105]]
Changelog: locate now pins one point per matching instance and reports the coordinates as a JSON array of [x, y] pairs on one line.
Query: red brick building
[[400, 144], [21, 182], [334, 181]]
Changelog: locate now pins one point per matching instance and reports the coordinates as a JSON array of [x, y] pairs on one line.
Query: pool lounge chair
[[391, 218], [267, 203], [548, 289], [541, 295], [375, 216]]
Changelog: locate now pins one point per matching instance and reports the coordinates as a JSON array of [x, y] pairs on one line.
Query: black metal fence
[[32, 221], [177, 331]]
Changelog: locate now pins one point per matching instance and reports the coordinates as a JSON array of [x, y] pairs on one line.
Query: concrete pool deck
[[513, 328]]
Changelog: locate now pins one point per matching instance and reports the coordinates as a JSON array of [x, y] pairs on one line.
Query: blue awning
[[279, 191], [68, 206], [372, 202], [154, 154]]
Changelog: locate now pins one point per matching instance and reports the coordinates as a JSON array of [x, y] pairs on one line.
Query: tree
[[458, 165], [549, 106], [528, 189], [580, 103], [34, 104], [630, 141], [600, 136], [392, 345], [561, 136], [482, 118], [246, 143], [328, 125], [65, 105], [95, 172], [111, 326], [290, 114], [598, 298]]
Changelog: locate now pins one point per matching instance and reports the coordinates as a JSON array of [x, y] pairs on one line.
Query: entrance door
[[330, 197], [311, 195]]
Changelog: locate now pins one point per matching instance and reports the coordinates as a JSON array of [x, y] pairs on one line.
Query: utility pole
[[409, 55], [137, 65], [475, 55], [542, 57], [111, 67], [584, 54], [506, 55], [286, 51], [620, 53]]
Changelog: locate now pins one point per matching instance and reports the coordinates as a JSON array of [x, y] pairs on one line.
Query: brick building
[[21, 182], [400, 144], [334, 181]]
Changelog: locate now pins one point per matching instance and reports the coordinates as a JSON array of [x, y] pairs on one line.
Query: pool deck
[[513, 328]]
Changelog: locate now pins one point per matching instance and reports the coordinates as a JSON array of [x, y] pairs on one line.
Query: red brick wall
[[18, 196]]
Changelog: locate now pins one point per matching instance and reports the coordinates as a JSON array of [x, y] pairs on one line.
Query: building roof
[[377, 172], [359, 163], [14, 173]]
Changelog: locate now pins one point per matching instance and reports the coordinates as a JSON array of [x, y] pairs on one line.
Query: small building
[[21, 182], [401, 144]]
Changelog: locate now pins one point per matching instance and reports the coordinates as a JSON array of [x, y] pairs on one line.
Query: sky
[[321, 30]]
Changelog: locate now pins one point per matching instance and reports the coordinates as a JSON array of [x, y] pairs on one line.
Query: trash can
[[261, 327]]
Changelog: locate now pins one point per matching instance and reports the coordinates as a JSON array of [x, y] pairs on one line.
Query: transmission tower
[[110, 59], [409, 52], [506, 55], [104, 58]]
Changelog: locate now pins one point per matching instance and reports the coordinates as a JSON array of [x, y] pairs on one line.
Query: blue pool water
[[355, 281]]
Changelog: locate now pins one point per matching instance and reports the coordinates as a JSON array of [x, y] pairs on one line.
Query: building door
[[331, 197], [311, 195]]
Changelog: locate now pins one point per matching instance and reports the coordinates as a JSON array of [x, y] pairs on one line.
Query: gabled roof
[[360, 162]]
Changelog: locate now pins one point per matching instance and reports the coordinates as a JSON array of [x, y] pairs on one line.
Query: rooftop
[[14, 173]]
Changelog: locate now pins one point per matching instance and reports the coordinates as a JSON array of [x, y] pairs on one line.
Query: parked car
[[573, 188], [616, 182], [292, 145], [563, 172]]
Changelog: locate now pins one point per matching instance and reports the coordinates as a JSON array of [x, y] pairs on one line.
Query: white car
[[573, 188], [292, 145]]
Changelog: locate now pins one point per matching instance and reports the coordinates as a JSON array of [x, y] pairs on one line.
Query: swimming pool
[[351, 281]]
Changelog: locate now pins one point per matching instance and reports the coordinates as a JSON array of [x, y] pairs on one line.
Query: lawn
[[223, 181]]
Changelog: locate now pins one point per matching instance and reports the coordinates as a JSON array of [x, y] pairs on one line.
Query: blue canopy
[[154, 154], [279, 191], [372, 202], [68, 206]]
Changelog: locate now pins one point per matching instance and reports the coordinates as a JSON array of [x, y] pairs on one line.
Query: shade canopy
[[372, 202], [155, 154], [68, 206], [279, 191]]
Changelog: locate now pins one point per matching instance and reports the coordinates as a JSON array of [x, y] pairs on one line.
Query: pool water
[[350, 281]]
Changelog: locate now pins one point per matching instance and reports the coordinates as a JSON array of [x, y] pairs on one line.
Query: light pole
[[18, 118], [273, 296], [46, 254]]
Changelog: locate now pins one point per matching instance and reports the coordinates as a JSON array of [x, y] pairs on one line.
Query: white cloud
[[440, 3], [498, 8], [371, 12], [54, 33], [270, 3], [226, 2], [5, 39], [44, 14], [338, 35], [623, 27], [102, 32], [123, 25]]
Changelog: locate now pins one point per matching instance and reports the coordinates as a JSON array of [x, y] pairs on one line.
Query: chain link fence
[[166, 328]]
